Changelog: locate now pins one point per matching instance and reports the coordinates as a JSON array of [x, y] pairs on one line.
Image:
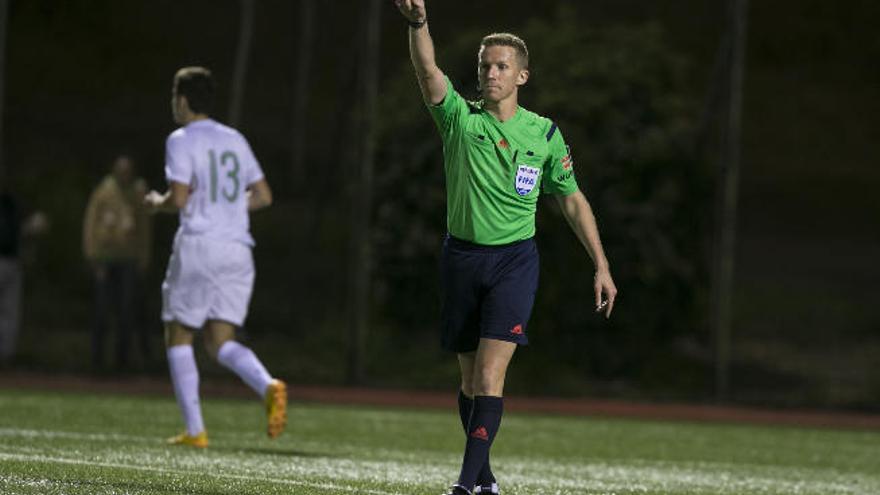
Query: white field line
[[640, 476], [714, 477], [409, 468], [598, 478], [70, 435], [240, 477]]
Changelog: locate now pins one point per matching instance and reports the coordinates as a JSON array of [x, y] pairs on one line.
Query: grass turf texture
[[53, 443]]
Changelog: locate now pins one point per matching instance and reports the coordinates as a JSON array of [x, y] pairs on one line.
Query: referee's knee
[[487, 381]]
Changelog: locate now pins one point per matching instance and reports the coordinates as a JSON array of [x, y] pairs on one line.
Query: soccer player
[[214, 181], [498, 157]]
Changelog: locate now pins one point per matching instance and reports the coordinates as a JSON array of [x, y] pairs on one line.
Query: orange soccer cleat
[[200, 440], [276, 408]]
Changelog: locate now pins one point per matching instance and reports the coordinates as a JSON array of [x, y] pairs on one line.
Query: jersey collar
[[516, 116]]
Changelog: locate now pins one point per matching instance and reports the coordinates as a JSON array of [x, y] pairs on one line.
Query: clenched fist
[[413, 10]]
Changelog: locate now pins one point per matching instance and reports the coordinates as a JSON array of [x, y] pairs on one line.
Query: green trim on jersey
[[495, 170]]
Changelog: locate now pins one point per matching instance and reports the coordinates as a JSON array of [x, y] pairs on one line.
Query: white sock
[[244, 363], [185, 377]]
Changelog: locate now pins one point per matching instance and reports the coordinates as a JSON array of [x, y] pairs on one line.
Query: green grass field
[[58, 443]]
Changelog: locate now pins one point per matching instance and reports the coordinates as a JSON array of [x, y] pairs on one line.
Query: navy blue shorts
[[488, 292]]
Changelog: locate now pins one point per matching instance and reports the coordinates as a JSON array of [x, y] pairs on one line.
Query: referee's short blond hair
[[511, 40]]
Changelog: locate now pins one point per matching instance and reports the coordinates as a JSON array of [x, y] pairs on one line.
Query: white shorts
[[207, 279]]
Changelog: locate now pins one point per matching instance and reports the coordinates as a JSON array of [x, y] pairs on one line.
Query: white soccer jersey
[[217, 163]]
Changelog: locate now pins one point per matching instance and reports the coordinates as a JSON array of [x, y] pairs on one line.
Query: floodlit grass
[[53, 443]]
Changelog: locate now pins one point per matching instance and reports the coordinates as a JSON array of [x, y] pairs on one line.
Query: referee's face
[[500, 72]]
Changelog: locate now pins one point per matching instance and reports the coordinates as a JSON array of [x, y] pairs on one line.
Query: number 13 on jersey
[[228, 162]]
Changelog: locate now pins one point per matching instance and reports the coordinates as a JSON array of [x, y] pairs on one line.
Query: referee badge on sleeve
[[526, 179]]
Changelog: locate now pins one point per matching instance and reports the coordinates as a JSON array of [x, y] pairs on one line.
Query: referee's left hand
[[602, 283]]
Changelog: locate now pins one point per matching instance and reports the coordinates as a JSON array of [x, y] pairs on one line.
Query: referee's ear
[[522, 77]]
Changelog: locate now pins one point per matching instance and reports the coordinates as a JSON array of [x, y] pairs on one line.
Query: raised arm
[[421, 50], [579, 214]]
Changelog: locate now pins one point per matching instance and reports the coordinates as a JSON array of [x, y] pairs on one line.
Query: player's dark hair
[[511, 40], [197, 84]]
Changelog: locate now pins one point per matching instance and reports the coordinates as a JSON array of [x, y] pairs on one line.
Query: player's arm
[[174, 199], [579, 214], [421, 51], [259, 195], [178, 173]]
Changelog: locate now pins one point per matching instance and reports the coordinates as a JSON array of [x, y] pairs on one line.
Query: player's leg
[[241, 360], [220, 343], [185, 301], [185, 378], [466, 362], [232, 280]]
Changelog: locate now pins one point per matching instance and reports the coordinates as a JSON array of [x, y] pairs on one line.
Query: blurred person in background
[[116, 243], [498, 158], [14, 228]]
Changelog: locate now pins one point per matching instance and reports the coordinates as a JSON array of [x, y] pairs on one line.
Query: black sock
[[484, 423], [465, 407]]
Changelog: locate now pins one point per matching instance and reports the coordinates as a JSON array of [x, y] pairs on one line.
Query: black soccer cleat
[[459, 490]]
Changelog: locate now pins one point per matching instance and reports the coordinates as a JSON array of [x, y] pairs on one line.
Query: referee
[[498, 157]]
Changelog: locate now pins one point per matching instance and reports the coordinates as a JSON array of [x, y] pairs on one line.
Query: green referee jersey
[[496, 170]]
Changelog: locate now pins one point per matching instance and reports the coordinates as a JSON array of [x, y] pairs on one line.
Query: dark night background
[[628, 82]]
